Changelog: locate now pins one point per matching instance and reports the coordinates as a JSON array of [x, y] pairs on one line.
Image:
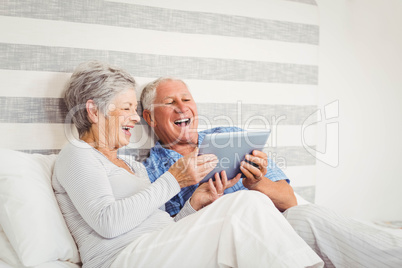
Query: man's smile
[[182, 122]]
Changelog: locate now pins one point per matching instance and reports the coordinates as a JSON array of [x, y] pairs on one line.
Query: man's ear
[[147, 114], [92, 111]]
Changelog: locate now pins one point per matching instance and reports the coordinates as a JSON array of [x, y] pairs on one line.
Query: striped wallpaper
[[251, 64]]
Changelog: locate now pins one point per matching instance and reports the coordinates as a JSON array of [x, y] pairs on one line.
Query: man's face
[[175, 117]]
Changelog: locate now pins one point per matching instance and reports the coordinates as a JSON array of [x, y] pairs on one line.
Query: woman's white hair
[[149, 92], [97, 81]]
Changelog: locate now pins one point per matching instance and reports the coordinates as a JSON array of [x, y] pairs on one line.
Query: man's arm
[[280, 192]]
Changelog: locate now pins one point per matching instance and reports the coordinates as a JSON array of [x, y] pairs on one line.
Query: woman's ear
[[147, 114], [92, 111]]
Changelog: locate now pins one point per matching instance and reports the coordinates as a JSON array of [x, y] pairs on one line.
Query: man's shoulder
[[159, 161], [154, 154], [158, 151]]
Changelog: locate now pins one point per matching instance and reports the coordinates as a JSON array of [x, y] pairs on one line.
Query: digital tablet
[[231, 148]]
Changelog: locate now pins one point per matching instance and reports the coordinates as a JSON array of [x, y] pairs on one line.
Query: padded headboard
[[252, 64]]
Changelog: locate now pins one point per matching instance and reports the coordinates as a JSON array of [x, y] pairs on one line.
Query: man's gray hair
[[97, 81], [149, 92]]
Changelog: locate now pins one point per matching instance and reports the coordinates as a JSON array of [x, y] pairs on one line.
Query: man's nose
[[181, 107]]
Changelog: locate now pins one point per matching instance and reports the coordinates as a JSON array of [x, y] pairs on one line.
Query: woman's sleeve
[[85, 180], [185, 211]]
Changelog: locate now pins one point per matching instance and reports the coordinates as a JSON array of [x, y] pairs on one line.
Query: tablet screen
[[231, 148]]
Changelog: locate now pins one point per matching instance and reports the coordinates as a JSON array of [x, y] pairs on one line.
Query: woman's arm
[[206, 194], [85, 180]]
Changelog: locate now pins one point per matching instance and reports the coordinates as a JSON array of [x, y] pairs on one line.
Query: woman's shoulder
[[75, 149], [78, 153]]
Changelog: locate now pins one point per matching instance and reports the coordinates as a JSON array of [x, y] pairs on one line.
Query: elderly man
[[169, 108], [171, 111]]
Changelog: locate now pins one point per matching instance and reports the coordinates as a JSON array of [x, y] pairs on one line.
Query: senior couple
[[123, 213]]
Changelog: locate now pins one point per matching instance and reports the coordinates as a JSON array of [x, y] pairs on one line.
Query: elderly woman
[[117, 216]]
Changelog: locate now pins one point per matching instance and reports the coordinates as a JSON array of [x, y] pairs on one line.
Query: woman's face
[[122, 117]]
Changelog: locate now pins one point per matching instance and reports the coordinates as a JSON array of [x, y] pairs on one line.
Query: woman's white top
[[105, 206]]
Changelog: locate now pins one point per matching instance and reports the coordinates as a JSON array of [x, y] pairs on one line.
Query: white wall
[[361, 66]]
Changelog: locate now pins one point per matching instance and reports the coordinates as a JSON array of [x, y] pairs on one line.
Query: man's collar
[[162, 151]]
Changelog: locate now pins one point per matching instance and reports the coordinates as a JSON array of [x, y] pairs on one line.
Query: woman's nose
[[135, 117]]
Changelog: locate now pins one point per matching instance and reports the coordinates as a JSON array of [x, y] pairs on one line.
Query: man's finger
[[246, 172], [233, 181], [218, 183], [261, 162], [260, 154], [211, 186], [204, 158], [251, 169], [224, 179]]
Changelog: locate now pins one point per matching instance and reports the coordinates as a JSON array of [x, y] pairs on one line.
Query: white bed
[[32, 229]]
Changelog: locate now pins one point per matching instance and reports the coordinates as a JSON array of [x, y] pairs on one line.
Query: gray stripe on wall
[[32, 110], [307, 192], [61, 59], [310, 2], [162, 19], [254, 114], [287, 156], [42, 151], [54, 111]]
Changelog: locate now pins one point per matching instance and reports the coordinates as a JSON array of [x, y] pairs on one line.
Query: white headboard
[[248, 63]]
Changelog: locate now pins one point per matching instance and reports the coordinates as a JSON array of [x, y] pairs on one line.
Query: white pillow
[[29, 213], [7, 253]]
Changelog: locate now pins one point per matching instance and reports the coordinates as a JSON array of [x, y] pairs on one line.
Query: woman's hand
[[210, 191], [254, 173], [192, 168]]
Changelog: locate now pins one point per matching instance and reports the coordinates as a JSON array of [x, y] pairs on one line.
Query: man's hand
[[254, 173], [191, 168], [210, 191], [280, 192]]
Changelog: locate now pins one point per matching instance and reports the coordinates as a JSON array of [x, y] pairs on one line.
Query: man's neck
[[182, 148]]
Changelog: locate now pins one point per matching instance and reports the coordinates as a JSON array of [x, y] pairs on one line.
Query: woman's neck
[[101, 146]]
